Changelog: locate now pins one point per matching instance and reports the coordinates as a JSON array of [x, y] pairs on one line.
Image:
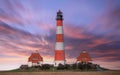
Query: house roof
[[35, 57], [84, 57]]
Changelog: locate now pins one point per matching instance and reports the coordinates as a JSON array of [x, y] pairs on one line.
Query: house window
[[38, 63], [55, 63]]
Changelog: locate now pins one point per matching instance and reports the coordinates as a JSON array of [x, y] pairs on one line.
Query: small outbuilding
[[84, 57], [35, 59]]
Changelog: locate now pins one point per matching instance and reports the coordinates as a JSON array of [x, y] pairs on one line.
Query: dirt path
[[62, 73]]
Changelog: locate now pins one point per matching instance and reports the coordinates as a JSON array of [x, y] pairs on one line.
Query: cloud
[[110, 65], [101, 48], [75, 32], [20, 43], [15, 41], [10, 12], [107, 24], [108, 46], [19, 13]]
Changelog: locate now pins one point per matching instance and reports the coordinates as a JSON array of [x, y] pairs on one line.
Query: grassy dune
[[62, 73]]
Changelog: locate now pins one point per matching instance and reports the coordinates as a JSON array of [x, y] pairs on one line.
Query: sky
[[30, 25]]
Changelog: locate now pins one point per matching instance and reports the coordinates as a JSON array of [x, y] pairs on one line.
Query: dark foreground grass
[[50, 70]]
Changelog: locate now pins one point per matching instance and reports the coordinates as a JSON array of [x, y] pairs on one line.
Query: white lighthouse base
[[59, 62]]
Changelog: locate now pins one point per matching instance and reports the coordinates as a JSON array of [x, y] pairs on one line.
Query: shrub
[[67, 66], [45, 67], [74, 66], [60, 67], [23, 67], [80, 66]]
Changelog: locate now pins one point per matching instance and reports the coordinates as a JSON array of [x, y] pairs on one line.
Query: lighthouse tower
[[59, 46]]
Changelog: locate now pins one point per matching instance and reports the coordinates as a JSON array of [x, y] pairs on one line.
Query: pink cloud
[[69, 47], [75, 32], [98, 41], [110, 65]]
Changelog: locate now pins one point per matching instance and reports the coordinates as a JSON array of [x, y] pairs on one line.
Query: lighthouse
[[59, 46]]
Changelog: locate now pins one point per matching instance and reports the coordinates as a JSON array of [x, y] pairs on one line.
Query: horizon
[[26, 26]]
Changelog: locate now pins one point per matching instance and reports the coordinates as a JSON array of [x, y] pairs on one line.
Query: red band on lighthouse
[[59, 23], [59, 55], [59, 38]]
